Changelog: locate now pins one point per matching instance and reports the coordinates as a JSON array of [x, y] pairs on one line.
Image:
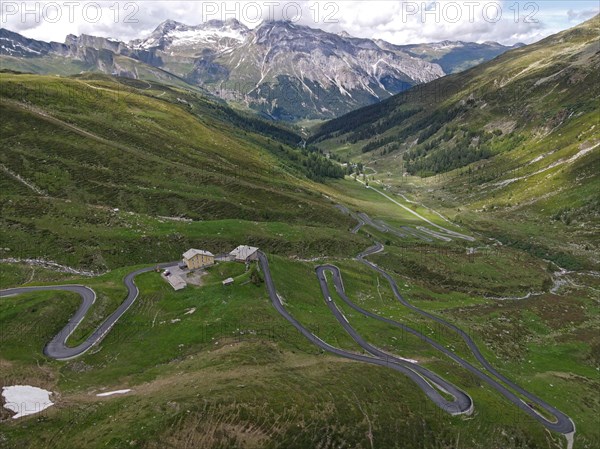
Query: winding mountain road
[[430, 383], [462, 402], [421, 232], [57, 347], [562, 422]]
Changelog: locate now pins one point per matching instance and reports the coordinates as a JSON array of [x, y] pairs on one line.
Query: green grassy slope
[[216, 367], [58, 65], [510, 147], [233, 374], [74, 150], [531, 94]]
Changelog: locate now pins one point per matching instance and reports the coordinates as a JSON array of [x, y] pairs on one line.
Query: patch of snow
[[194, 36], [571, 436], [416, 362], [17, 44], [111, 393], [147, 44], [26, 400], [182, 219], [447, 45]]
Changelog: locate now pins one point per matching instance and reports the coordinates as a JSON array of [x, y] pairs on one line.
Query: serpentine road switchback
[[57, 348], [430, 383]]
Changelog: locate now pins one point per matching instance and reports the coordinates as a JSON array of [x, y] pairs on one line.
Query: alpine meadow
[[368, 225]]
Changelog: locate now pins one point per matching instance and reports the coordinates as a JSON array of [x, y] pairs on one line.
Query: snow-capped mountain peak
[[282, 69], [171, 34]]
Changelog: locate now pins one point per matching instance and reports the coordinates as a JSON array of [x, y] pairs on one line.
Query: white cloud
[[400, 22], [410, 22], [578, 16]]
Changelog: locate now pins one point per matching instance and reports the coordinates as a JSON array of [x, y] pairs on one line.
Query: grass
[[531, 111], [233, 374], [93, 166], [218, 367], [492, 272], [224, 270], [545, 343], [99, 237], [235, 364], [366, 200], [15, 274]]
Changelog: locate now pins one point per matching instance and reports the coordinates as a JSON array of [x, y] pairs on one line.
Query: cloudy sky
[[399, 21]]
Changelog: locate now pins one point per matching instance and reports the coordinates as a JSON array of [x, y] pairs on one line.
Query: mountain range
[[283, 70], [110, 174], [516, 137]]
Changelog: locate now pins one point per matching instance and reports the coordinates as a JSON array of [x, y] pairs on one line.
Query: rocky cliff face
[[285, 71], [13, 44]]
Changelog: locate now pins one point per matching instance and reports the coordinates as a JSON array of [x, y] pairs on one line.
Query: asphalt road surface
[[424, 378], [57, 348], [562, 423], [462, 402], [431, 384]]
